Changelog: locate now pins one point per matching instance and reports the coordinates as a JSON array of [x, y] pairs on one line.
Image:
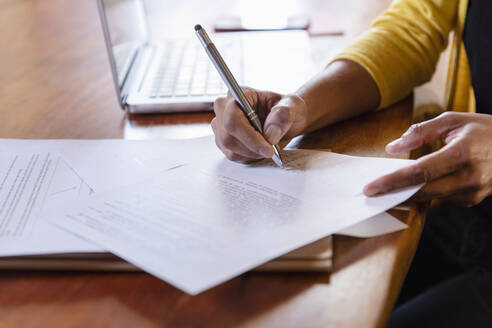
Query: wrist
[[343, 90]]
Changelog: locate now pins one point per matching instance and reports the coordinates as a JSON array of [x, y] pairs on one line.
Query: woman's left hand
[[460, 172]]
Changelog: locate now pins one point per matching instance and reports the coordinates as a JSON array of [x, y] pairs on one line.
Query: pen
[[233, 86]]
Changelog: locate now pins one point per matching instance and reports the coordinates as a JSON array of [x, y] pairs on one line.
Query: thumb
[[281, 118], [422, 133]]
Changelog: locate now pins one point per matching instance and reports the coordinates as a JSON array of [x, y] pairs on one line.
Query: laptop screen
[[126, 31]]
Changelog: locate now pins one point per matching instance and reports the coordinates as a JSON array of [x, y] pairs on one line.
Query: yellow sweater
[[402, 48]]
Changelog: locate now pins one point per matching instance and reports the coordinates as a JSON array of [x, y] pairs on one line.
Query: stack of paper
[[177, 209]]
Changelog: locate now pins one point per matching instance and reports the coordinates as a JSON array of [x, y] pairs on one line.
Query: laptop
[[176, 75]]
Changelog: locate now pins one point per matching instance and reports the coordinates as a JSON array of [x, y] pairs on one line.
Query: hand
[[283, 117], [460, 172]]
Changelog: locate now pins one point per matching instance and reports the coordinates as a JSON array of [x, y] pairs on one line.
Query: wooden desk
[[55, 83]]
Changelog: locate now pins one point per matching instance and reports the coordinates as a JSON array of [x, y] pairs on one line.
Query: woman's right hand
[[283, 117]]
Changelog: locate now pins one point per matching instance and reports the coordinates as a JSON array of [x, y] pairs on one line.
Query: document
[[28, 183], [199, 225], [108, 163], [23, 186], [97, 158]]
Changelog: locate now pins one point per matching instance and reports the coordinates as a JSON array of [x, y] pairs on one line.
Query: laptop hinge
[[127, 79], [131, 82], [123, 99]]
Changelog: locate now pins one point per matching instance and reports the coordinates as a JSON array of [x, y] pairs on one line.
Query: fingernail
[[392, 147], [394, 142], [370, 190], [273, 134], [266, 152]]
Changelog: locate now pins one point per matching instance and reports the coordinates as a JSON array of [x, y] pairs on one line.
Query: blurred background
[[62, 40]]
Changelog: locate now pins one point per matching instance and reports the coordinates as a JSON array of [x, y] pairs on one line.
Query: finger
[[251, 95], [237, 158], [447, 186], [219, 105], [280, 120], [422, 133], [231, 144], [448, 159], [236, 124]]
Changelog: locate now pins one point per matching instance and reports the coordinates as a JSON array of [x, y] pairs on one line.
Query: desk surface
[[55, 83]]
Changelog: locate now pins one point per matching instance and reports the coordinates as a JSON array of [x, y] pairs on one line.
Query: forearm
[[343, 90]]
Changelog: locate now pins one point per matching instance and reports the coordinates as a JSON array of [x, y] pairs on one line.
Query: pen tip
[[278, 161], [198, 27]]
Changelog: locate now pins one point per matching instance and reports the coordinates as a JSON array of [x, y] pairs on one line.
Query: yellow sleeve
[[401, 49]]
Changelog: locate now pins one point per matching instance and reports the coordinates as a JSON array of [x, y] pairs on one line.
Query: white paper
[[108, 163], [378, 225], [197, 226], [28, 183]]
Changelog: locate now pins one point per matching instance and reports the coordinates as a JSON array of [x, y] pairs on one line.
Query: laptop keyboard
[[184, 70]]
